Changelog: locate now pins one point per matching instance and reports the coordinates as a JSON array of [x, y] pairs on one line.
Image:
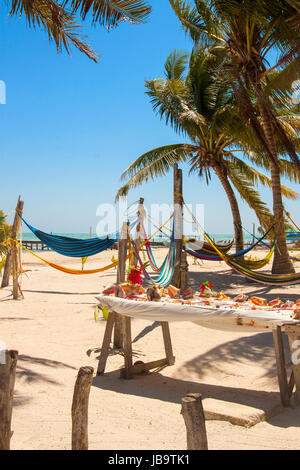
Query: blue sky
[[70, 127]]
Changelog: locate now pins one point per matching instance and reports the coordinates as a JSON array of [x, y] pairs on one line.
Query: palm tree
[[202, 107], [5, 231], [58, 18], [248, 31]]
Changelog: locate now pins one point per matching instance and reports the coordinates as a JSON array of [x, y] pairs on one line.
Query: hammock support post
[[139, 236], [178, 224], [184, 272], [11, 263], [121, 273]]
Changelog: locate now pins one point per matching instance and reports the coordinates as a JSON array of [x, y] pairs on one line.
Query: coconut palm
[[201, 106], [58, 18], [5, 231], [248, 31]]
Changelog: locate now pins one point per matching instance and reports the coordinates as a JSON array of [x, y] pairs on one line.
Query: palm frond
[[175, 65], [248, 193], [109, 13], [154, 164], [59, 23]]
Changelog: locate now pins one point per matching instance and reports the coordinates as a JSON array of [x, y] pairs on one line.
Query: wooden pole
[[12, 258], [80, 408], [139, 235], [294, 343], [193, 415], [178, 223], [281, 366], [121, 273], [184, 272], [106, 343], [7, 384], [127, 373]]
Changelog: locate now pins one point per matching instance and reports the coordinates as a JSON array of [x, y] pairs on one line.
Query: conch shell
[[258, 301], [222, 296], [296, 315], [173, 291], [275, 303], [188, 294], [240, 298], [153, 293]]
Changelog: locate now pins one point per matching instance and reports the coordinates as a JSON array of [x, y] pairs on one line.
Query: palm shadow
[[59, 292], [258, 348], [25, 371]]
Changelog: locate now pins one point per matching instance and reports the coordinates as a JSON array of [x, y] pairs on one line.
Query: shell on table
[[153, 293], [258, 301], [241, 298], [173, 291]]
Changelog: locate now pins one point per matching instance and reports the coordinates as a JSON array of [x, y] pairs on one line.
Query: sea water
[[83, 236]]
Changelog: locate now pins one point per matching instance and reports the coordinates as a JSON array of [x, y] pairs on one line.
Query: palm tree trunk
[[237, 221], [281, 261]]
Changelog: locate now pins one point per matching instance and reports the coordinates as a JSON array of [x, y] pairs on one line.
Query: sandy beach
[[53, 329]]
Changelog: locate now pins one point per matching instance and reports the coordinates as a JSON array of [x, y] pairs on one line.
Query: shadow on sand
[[257, 348]]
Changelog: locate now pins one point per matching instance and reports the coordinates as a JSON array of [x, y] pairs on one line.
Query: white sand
[[54, 331]]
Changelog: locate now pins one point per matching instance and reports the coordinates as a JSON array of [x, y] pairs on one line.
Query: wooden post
[[80, 408], [7, 384], [178, 223], [139, 235], [167, 343], [127, 372], [105, 343], [193, 415], [12, 258], [184, 272], [121, 273], [294, 342], [281, 366]]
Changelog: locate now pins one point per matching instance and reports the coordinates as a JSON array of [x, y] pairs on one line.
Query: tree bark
[[193, 415], [178, 223], [12, 250], [121, 274], [80, 408], [281, 261], [237, 221], [7, 384]]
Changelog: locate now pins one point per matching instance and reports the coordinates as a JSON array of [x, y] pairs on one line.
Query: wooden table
[[289, 385]]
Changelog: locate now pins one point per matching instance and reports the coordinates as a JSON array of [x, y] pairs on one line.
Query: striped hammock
[[74, 247], [195, 249], [167, 268], [263, 278]]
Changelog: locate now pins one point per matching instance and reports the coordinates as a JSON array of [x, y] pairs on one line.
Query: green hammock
[[263, 278]]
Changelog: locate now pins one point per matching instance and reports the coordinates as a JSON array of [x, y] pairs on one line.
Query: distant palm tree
[[5, 231], [202, 106], [58, 18], [248, 31]]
